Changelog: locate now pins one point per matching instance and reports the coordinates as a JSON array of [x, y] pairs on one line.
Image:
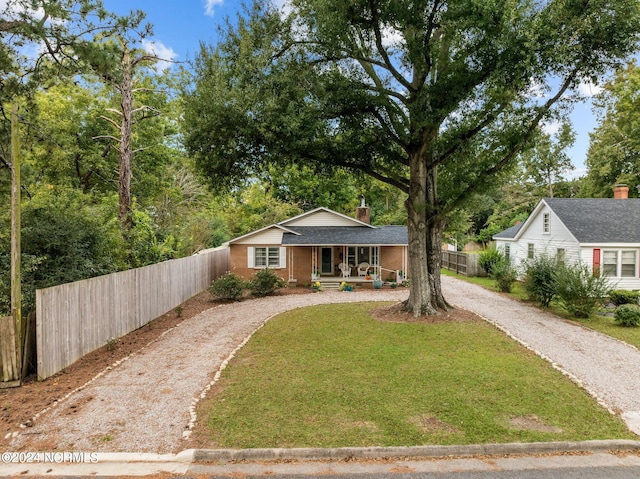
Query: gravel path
[[607, 368], [145, 404]]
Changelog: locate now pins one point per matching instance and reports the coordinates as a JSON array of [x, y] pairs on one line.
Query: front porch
[[356, 264]]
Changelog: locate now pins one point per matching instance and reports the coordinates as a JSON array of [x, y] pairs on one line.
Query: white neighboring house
[[602, 233]]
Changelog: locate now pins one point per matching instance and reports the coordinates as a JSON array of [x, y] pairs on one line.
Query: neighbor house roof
[[599, 220], [509, 233], [349, 235], [590, 220]]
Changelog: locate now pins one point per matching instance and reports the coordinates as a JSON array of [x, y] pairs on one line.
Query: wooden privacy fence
[[8, 366], [76, 318], [462, 263]]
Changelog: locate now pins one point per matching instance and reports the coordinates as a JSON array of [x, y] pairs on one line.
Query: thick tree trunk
[[434, 264], [124, 184], [420, 299], [425, 229], [435, 229]]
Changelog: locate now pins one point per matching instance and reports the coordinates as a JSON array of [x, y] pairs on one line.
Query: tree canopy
[[434, 97], [614, 150]]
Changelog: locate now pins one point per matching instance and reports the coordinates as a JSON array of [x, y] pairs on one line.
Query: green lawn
[[604, 324], [331, 376]]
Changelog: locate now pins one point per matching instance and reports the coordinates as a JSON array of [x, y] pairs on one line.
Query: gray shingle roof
[[599, 220], [346, 235], [509, 233]]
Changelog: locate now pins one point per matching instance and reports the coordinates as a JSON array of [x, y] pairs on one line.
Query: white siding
[[323, 218], [545, 243], [586, 256], [266, 237]]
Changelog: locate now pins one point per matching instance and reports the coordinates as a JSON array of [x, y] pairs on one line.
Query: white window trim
[[546, 223], [251, 257], [618, 272]]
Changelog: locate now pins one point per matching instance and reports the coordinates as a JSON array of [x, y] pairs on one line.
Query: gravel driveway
[[145, 404]]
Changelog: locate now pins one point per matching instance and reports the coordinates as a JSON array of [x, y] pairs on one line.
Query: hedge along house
[[326, 246], [603, 233]]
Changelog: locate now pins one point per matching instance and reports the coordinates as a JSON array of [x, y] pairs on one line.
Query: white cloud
[[589, 89], [164, 53], [210, 5]]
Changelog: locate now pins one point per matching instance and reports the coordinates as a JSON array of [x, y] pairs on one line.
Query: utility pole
[[16, 281]]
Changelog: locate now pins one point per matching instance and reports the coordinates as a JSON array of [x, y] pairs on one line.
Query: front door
[[326, 261]]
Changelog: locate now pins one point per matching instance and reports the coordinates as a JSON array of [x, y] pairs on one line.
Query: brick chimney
[[621, 192], [363, 212]]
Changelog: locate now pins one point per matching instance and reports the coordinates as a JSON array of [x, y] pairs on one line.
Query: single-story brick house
[[323, 245], [603, 233]]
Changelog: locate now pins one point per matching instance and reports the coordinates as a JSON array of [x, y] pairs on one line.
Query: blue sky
[[179, 27]]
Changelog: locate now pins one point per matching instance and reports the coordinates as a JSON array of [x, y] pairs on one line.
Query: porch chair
[[345, 269], [363, 269]]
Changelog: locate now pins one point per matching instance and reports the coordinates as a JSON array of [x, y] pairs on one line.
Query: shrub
[[264, 283], [489, 258], [505, 275], [539, 281], [580, 292], [623, 296], [628, 315], [228, 287]]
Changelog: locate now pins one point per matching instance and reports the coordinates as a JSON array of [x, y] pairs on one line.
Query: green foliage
[[623, 296], [505, 275], [579, 291], [228, 287], [255, 207], [64, 238], [540, 279], [547, 161], [264, 283], [489, 258], [145, 245], [628, 315], [614, 149]]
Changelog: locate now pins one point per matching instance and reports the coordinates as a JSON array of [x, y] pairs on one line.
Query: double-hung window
[[628, 264], [620, 263], [266, 257]]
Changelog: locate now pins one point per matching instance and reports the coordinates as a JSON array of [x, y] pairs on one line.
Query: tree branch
[[509, 155], [381, 50], [108, 137]]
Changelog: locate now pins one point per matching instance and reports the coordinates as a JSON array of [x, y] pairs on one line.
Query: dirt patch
[[431, 424], [394, 314], [532, 422], [19, 405]]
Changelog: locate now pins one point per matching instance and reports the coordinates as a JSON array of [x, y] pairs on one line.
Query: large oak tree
[[435, 97]]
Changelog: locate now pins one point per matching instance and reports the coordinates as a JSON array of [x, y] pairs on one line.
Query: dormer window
[[545, 223]]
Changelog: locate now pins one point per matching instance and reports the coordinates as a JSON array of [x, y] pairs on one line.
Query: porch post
[[314, 260]]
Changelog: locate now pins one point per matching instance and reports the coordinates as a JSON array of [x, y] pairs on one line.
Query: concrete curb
[[346, 453], [186, 456]]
